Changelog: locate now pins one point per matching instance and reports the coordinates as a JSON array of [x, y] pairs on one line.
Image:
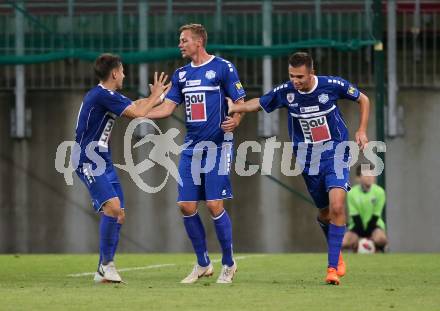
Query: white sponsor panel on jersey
[[309, 109], [315, 130], [106, 132], [195, 107], [193, 82]]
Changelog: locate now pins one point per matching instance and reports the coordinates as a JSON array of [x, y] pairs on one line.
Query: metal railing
[[51, 26]]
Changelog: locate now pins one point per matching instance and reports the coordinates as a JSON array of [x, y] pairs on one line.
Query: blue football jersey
[[313, 117], [203, 90], [96, 119]]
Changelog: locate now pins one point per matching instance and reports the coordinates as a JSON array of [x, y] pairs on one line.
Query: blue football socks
[[116, 237], [196, 233], [107, 230], [324, 226], [116, 242], [335, 237], [223, 228]]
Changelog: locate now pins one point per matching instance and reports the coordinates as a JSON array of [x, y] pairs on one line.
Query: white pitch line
[[124, 269], [76, 275], [238, 258]]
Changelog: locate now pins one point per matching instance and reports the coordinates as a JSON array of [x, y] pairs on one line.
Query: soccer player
[[316, 125], [202, 85], [96, 118], [365, 206]]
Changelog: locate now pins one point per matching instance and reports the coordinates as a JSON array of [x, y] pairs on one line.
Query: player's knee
[[350, 240], [121, 217], [380, 240], [337, 209], [348, 245], [346, 241], [354, 241], [324, 215], [115, 211], [112, 207], [215, 207], [187, 208]]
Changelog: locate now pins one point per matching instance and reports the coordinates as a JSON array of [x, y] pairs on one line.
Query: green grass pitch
[[263, 282]]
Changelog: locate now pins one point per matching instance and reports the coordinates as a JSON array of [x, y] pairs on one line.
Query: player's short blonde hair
[[197, 30]]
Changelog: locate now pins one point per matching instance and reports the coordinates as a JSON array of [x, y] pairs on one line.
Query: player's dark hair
[[359, 168], [104, 64], [299, 59], [198, 30]]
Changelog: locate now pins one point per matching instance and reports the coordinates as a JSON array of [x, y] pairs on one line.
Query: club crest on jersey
[[195, 107], [323, 98], [210, 74], [290, 97], [182, 74], [315, 130]]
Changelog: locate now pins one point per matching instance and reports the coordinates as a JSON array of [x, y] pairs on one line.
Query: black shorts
[[362, 234]]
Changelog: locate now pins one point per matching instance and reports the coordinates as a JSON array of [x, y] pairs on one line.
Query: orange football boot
[[341, 266], [332, 276]]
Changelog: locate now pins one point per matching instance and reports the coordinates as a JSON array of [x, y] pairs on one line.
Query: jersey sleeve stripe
[[200, 88]]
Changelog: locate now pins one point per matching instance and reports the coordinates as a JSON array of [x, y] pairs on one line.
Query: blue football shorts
[[327, 177], [207, 179], [103, 187]]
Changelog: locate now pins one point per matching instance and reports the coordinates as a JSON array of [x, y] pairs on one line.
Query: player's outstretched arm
[[248, 106], [361, 134], [141, 107], [234, 120], [162, 111]]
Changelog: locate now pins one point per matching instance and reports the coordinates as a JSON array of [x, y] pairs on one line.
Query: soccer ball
[[366, 246]]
